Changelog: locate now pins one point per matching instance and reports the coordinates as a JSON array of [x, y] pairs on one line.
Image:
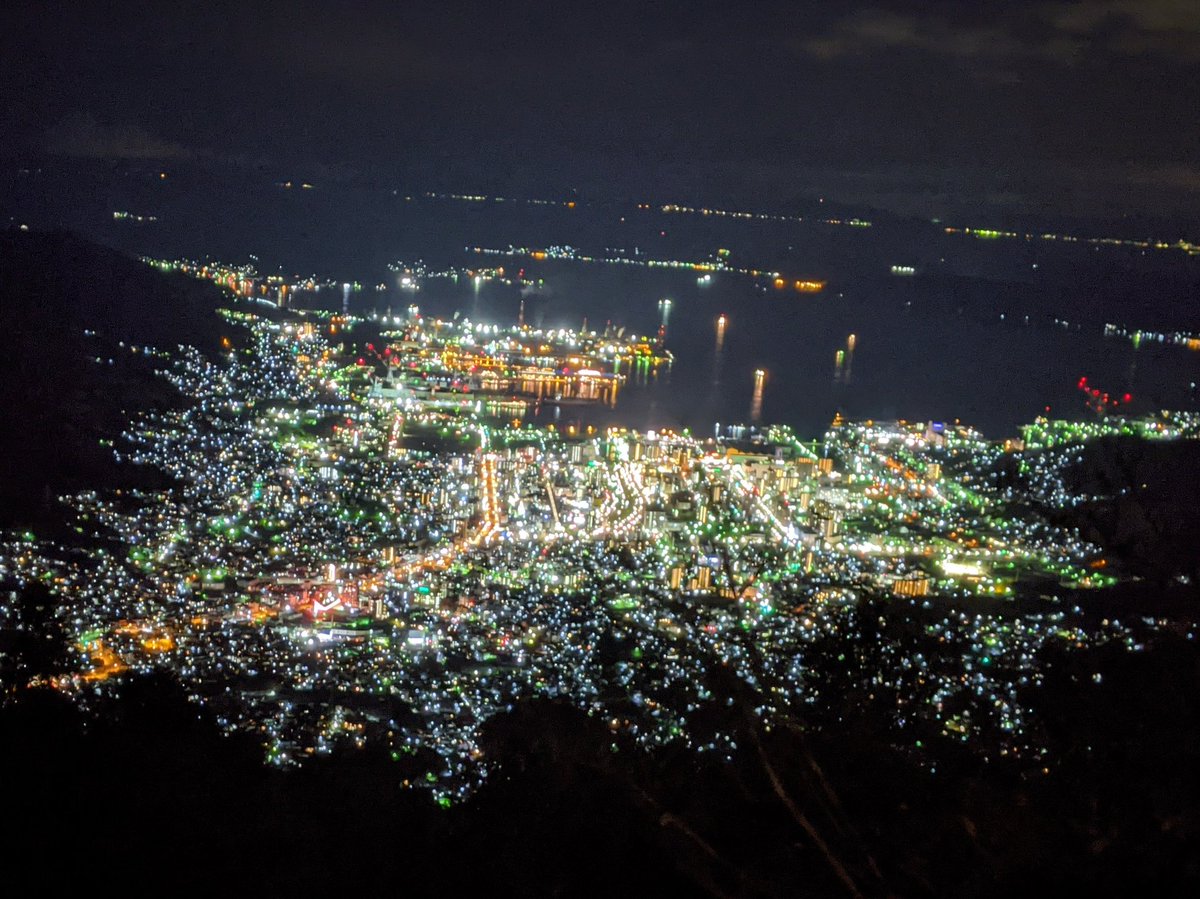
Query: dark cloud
[[1052, 31], [1165, 28], [80, 135], [872, 30]]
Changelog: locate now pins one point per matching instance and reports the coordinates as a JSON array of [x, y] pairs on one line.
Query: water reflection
[[664, 308], [719, 352], [756, 401]]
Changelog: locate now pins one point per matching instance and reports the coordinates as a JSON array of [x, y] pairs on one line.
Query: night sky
[[933, 108]]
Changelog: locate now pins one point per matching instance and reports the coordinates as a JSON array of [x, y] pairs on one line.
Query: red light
[[1127, 398], [361, 361]]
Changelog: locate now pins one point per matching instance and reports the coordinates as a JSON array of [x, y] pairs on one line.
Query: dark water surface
[[918, 354]]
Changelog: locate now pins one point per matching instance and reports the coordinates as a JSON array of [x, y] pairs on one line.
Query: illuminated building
[[911, 585]]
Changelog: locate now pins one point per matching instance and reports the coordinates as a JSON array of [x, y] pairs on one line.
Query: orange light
[[810, 286]]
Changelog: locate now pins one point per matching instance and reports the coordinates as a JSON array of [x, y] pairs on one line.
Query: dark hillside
[[1146, 512], [66, 303]]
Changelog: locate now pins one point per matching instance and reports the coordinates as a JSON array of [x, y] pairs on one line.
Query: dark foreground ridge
[[123, 796]]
